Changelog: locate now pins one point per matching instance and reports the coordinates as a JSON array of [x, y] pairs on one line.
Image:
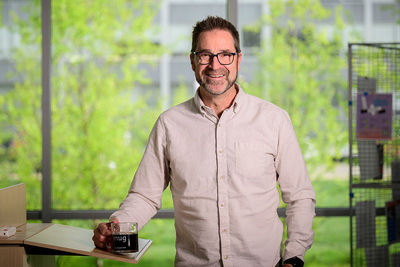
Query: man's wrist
[[295, 262]]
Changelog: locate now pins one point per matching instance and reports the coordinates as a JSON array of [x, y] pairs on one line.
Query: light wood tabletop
[[47, 239], [79, 241], [23, 232]]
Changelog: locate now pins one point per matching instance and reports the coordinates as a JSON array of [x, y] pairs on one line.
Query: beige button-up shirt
[[223, 175]]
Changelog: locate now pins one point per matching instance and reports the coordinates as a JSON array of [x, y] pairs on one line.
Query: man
[[222, 153]]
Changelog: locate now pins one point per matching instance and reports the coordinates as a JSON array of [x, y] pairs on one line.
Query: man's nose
[[214, 62]]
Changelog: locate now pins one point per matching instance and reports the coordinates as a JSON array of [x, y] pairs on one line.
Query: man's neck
[[218, 103]]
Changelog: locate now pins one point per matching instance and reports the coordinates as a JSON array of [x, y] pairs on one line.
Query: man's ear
[[192, 61], [239, 56]]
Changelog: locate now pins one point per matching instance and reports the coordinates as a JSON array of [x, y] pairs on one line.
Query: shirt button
[[220, 151], [226, 257], [220, 125], [221, 177], [222, 204]]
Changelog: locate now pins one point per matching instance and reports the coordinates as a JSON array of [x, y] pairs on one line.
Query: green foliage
[[300, 70], [394, 10], [180, 93], [99, 123], [376, 61]]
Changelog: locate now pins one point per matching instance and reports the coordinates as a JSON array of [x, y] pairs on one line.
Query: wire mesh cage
[[374, 139]]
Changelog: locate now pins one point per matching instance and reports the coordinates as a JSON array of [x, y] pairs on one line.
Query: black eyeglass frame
[[214, 55]]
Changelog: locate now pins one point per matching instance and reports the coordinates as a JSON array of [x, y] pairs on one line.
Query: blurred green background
[[105, 101]]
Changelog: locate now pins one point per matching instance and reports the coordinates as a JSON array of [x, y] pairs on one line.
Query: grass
[[331, 245]]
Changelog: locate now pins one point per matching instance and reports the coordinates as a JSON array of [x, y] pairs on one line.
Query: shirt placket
[[223, 201]]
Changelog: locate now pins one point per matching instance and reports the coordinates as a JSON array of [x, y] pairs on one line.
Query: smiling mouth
[[215, 76]]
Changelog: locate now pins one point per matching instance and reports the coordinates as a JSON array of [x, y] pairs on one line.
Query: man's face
[[215, 78]]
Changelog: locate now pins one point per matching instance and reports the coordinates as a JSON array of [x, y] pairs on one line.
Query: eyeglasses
[[205, 58]]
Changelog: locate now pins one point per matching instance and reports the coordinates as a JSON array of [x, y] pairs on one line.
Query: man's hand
[[293, 262], [102, 235]]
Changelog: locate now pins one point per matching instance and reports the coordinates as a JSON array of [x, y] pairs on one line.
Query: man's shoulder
[[179, 109]]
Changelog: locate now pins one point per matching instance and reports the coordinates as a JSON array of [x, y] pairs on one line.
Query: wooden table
[[40, 242], [35, 244]]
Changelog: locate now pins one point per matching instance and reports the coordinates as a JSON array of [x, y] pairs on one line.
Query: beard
[[210, 85]]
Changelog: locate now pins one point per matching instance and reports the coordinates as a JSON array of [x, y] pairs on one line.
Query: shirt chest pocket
[[253, 159]]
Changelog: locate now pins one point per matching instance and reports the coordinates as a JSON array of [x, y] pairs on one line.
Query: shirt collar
[[239, 99], [237, 102]]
